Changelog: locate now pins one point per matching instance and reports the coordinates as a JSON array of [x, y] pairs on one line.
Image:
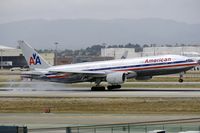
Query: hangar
[[12, 57]]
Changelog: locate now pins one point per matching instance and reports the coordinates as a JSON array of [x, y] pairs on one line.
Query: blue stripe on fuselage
[[142, 65]]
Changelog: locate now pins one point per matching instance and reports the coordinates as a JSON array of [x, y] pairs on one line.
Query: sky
[[186, 11]]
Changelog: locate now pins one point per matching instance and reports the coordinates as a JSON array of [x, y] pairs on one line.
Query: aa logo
[[34, 60]]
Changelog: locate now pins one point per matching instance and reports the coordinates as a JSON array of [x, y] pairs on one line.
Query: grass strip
[[101, 105]]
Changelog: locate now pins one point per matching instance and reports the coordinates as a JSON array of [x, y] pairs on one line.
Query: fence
[[170, 126]]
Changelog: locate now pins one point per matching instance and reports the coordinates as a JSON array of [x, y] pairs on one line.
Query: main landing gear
[[112, 87], [98, 88], [102, 88]]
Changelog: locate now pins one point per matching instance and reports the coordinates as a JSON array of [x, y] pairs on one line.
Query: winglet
[[33, 59]]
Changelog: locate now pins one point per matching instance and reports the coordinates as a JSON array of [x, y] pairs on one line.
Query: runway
[[46, 89], [29, 91]]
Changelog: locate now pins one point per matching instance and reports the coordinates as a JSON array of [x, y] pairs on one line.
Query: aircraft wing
[[65, 73], [91, 73], [102, 73]]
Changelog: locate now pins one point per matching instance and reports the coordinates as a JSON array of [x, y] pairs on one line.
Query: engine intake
[[116, 78]]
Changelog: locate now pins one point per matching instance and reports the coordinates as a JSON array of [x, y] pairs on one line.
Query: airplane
[[114, 72], [124, 55]]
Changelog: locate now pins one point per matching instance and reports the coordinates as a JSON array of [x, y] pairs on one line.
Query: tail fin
[[33, 59], [124, 55]]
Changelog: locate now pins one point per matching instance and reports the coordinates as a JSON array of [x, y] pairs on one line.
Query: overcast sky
[[179, 10]]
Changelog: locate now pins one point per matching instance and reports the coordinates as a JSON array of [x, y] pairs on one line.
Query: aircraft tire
[[98, 88], [112, 87], [180, 80]]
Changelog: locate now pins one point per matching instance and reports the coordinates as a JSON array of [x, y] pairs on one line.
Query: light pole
[[56, 44], [1, 59], [104, 54], [182, 53], [154, 49]]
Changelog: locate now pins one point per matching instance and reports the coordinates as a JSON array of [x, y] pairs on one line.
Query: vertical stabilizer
[[124, 55], [33, 59]]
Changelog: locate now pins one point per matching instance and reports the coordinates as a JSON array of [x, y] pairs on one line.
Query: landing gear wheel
[[111, 87], [180, 80], [181, 77], [98, 88]]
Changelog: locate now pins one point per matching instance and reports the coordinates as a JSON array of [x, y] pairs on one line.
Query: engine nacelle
[[116, 78], [144, 78]]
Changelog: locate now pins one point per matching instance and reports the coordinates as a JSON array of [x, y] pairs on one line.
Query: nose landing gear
[[180, 80], [181, 77]]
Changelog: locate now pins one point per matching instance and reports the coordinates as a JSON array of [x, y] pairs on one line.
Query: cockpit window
[[190, 60]]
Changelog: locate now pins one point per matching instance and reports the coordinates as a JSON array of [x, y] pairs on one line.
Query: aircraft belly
[[153, 72]]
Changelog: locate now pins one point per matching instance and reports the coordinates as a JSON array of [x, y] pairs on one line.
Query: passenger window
[[190, 60]]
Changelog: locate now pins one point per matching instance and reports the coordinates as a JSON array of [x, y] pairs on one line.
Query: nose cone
[[198, 62]]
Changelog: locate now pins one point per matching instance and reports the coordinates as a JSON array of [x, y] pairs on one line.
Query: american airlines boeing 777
[[114, 72]]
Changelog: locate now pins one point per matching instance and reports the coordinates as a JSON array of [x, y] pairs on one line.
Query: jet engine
[[116, 78]]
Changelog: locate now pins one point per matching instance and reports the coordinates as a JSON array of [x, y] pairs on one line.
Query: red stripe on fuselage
[[56, 76], [59, 76], [158, 67]]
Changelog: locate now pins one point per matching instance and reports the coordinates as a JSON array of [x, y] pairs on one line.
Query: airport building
[[49, 57], [13, 57], [150, 51], [80, 59], [117, 53]]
